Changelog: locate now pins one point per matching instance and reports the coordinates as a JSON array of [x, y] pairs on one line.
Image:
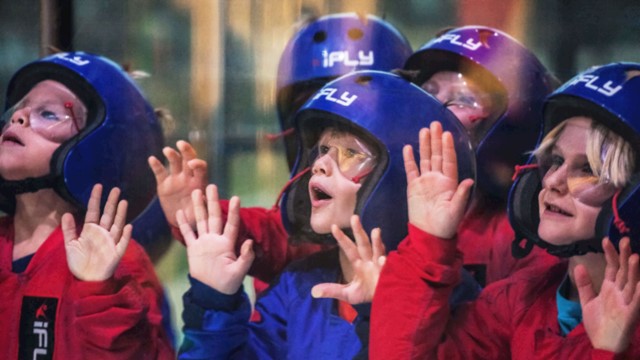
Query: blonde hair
[[610, 157]]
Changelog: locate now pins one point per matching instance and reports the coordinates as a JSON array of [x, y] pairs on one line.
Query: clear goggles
[[581, 183], [353, 157], [460, 92], [56, 122]]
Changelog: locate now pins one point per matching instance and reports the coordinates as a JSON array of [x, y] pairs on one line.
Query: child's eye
[[462, 100], [49, 114], [586, 170], [351, 153], [556, 161], [323, 149], [431, 88]]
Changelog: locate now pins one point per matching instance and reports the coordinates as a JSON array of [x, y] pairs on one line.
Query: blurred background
[[213, 64]]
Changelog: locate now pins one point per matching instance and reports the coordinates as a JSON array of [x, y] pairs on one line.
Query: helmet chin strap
[[563, 251], [15, 187]]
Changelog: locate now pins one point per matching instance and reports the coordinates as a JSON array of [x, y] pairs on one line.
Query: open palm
[[95, 253], [211, 254], [436, 201], [611, 316], [365, 258]]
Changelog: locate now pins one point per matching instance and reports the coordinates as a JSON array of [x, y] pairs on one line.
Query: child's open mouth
[[10, 138], [319, 194], [556, 210]]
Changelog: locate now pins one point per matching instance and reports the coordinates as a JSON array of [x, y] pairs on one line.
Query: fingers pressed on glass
[[93, 207], [110, 207], [425, 149], [632, 278], [449, 158], [118, 220], [436, 146], [623, 271], [68, 227], [378, 246], [123, 240], [611, 257], [233, 218], [213, 206], [200, 211], [185, 228], [361, 237], [410, 167], [345, 243]]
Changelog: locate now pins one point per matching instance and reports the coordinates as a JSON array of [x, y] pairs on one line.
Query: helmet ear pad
[[523, 209]]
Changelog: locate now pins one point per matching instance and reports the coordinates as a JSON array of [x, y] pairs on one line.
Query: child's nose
[[323, 165], [556, 179], [21, 116]]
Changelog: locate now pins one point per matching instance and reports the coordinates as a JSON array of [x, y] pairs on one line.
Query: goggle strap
[[520, 169], [69, 106], [356, 179], [617, 221], [519, 251], [282, 134], [286, 186]]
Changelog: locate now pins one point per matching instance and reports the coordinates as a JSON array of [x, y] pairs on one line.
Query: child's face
[[461, 96], [570, 192], [341, 161], [35, 127]]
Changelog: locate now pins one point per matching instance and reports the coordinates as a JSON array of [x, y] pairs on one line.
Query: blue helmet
[[121, 133], [386, 111], [329, 47], [509, 71], [607, 94]]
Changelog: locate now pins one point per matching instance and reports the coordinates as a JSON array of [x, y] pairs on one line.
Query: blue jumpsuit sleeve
[[214, 323], [217, 326], [362, 329]]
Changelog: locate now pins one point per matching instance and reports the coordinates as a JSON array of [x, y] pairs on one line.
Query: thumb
[[461, 196], [121, 246], [246, 254], [584, 285], [329, 290], [69, 228]]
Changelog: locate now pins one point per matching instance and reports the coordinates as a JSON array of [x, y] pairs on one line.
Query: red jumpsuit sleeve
[[271, 245], [598, 354], [411, 318], [121, 318]]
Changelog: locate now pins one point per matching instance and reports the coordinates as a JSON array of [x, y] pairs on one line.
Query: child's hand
[[436, 201], [610, 317], [366, 263], [95, 254], [212, 256], [174, 185]]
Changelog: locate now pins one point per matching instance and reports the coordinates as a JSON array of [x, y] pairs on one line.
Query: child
[[75, 124], [495, 86], [586, 188], [351, 133]]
